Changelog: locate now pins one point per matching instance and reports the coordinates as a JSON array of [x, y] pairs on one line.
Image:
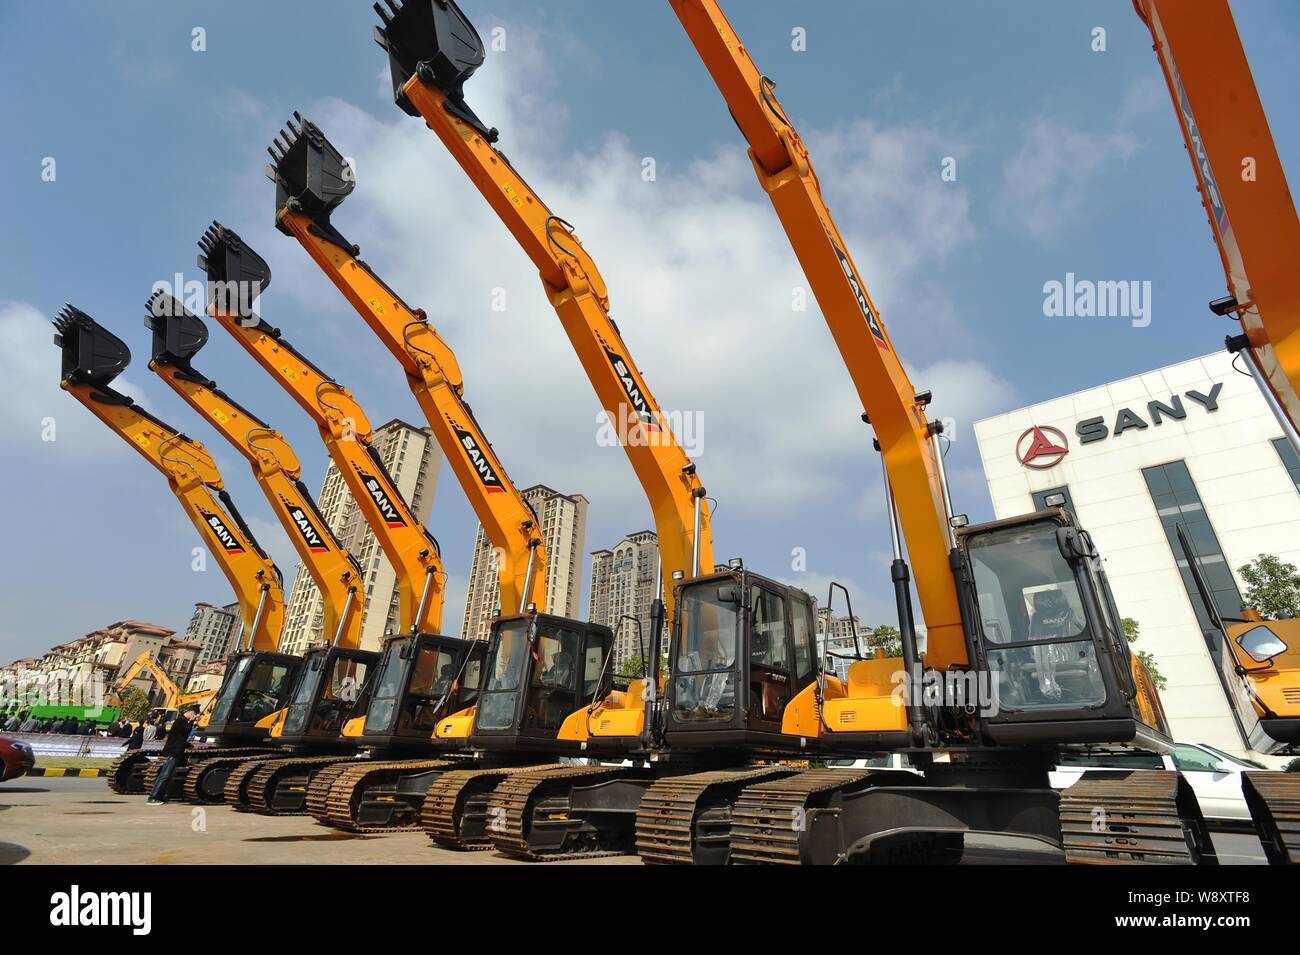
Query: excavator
[[422, 676], [173, 699], [312, 180], [733, 703], [1252, 218], [257, 676], [332, 678], [993, 596]]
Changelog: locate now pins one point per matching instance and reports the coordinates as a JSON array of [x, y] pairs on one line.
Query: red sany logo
[[1042, 447]]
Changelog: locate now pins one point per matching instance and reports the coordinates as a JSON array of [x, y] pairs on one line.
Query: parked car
[[16, 758], [1215, 776]]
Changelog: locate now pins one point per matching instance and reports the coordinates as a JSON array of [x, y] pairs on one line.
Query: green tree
[[885, 638], [135, 705], [633, 667], [1272, 587], [1131, 632]]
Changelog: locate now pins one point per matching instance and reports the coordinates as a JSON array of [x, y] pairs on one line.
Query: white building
[[215, 629], [1192, 444], [623, 584]]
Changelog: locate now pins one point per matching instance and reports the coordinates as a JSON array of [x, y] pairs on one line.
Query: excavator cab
[[743, 660], [1043, 630], [541, 669], [255, 687], [419, 681], [332, 684]]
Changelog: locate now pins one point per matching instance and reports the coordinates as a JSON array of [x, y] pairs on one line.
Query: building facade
[[214, 629], [623, 584], [1192, 445], [562, 519], [412, 457]]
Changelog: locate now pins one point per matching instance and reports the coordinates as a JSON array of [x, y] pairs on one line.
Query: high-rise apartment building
[[562, 519], [623, 584], [412, 457], [215, 629]]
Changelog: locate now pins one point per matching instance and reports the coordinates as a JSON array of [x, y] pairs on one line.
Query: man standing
[[173, 752]]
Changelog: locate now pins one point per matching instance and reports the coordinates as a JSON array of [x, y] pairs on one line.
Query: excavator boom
[[311, 180], [237, 276], [1242, 185], [177, 337], [92, 358], [432, 50], [895, 409]]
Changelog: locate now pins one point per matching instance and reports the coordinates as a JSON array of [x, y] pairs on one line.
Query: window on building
[[1040, 498], [1179, 504], [1290, 460]]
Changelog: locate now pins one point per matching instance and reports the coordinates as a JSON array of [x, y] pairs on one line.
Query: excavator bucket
[[430, 36], [92, 355], [178, 334], [310, 175], [236, 274]]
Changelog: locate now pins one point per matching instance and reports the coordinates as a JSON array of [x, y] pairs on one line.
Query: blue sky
[[1068, 161]]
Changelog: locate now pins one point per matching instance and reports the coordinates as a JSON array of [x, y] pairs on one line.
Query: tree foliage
[[885, 638], [135, 705], [1132, 630], [1272, 587]]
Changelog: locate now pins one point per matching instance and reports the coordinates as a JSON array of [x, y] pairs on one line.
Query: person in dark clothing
[[136, 738], [173, 751]]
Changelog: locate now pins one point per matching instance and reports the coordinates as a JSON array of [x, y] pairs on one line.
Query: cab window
[[769, 646], [801, 630]]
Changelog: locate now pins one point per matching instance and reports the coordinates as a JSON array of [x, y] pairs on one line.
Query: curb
[[60, 771]]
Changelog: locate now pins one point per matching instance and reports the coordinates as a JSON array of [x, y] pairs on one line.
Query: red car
[[16, 758]]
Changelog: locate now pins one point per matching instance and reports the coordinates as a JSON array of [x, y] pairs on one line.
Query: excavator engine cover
[[92, 355], [432, 33], [308, 170], [176, 341]]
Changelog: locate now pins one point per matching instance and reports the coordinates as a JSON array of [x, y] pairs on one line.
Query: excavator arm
[[311, 181], [894, 408], [177, 336], [237, 275], [432, 50], [92, 358], [171, 692], [1242, 185]]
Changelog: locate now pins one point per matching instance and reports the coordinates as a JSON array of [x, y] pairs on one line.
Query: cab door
[[770, 676]]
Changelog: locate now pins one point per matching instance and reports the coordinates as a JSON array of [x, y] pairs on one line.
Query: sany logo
[[1202, 161], [1042, 448], [75, 908], [855, 283], [635, 394], [315, 542], [222, 533], [491, 483], [392, 517]]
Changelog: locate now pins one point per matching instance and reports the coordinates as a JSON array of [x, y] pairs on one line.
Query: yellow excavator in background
[[257, 677], [733, 693], [999, 576], [312, 180], [332, 678], [1253, 220], [173, 699], [422, 675]]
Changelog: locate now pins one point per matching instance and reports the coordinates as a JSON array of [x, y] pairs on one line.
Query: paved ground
[[78, 821]]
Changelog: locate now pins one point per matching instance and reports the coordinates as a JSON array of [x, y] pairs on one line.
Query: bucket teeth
[[178, 334], [91, 353], [311, 176], [227, 259]]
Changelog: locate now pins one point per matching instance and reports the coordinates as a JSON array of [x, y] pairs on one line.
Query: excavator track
[[200, 784], [184, 774], [1144, 817], [455, 810], [365, 786], [769, 818], [283, 778], [235, 792], [1274, 803], [687, 819], [529, 815], [126, 773], [318, 793]]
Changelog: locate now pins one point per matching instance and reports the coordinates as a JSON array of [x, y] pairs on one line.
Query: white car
[[1214, 775]]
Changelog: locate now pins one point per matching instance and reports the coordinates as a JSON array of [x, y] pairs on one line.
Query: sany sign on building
[[1044, 446]]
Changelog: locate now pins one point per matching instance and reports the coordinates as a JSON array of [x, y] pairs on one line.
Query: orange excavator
[[1011, 589], [312, 180], [332, 678], [257, 676], [1253, 220], [173, 698], [422, 675], [735, 691]]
